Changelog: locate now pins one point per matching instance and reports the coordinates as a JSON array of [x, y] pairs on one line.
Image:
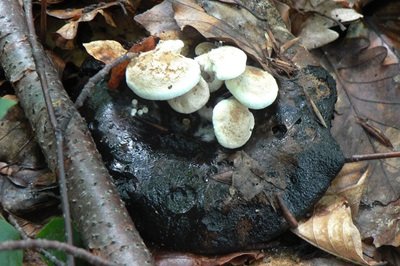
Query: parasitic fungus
[[255, 88], [225, 62], [163, 73], [233, 123], [193, 100]]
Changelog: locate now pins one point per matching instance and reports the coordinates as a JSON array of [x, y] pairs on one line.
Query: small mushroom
[[233, 123], [225, 62], [255, 88], [213, 83], [162, 74], [173, 46], [193, 100], [203, 47]]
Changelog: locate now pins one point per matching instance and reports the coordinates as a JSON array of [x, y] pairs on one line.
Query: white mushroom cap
[[255, 88], [233, 123], [203, 47], [173, 46], [226, 62], [162, 74], [193, 100]]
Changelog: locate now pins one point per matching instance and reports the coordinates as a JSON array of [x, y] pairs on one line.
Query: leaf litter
[[364, 67], [368, 91]]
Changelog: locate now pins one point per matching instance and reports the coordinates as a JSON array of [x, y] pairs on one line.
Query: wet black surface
[[186, 194]]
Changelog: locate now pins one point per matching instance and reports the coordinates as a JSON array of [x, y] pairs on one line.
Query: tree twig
[[44, 252], [286, 213], [51, 244], [372, 156], [58, 132], [89, 86]]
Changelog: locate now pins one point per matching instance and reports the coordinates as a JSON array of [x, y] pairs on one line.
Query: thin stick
[[44, 252], [373, 156], [51, 244], [43, 20], [40, 68], [286, 213], [88, 88]]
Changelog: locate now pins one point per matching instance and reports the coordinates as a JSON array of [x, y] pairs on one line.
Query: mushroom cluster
[[186, 83]]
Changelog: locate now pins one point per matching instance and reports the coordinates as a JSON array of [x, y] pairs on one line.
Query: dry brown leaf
[[64, 36], [367, 88], [316, 33], [383, 226], [385, 19], [65, 13], [105, 51], [187, 259], [350, 183], [223, 22], [319, 17], [159, 20], [331, 229]]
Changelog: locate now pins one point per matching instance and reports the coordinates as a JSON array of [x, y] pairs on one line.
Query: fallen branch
[[57, 131], [96, 208], [88, 88]]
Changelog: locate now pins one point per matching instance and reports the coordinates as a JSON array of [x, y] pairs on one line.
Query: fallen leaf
[[319, 17], [385, 22], [375, 132], [350, 184], [105, 51], [367, 88], [187, 259], [65, 13], [159, 20], [64, 36], [316, 32], [383, 226], [223, 22], [331, 229]]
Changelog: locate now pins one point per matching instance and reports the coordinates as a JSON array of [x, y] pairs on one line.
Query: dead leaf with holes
[[367, 80], [367, 89], [331, 229]]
